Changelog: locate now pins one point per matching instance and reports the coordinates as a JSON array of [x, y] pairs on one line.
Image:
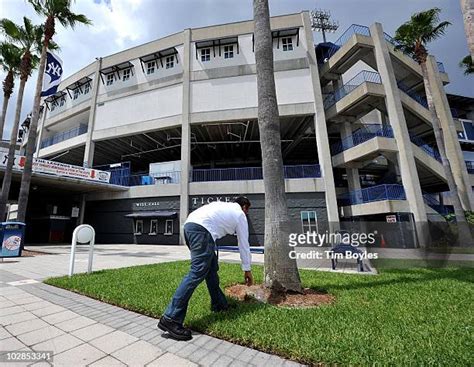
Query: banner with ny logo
[[52, 74]]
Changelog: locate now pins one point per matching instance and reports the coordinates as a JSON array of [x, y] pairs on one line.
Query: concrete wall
[[153, 104], [111, 225]]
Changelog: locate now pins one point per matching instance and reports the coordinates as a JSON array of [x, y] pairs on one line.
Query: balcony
[[65, 135], [362, 135], [365, 76], [352, 30], [374, 193], [252, 173]]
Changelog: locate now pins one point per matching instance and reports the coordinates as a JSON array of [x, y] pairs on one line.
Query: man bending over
[[202, 229]]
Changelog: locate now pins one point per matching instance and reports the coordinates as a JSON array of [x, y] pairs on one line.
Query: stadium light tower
[[321, 22]]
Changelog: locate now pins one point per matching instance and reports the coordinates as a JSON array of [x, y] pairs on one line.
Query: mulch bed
[[257, 293]]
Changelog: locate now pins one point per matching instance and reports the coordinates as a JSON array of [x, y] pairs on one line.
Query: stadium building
[[174, 121]]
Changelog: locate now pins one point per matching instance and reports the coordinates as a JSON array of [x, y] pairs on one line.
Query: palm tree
[[10, 57], [28, 37], [413, 36], [467, 65], [281, 272], [52, 10]]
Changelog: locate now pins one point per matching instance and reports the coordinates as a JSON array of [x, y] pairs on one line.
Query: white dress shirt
[[220, 219]]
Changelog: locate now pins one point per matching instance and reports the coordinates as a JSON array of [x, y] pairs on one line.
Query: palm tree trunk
[[468, 17], [281, 272], [7, 178], [30, 147], [465, 237], [6, 99]]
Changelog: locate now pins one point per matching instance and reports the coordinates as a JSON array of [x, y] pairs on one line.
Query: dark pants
[[204, 266]]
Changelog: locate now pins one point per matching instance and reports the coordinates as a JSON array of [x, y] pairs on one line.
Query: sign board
[[75, 212], [11, 235], [391, 219], [58, 168]]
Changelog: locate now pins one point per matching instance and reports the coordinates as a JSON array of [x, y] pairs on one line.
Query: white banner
[[58, 168]]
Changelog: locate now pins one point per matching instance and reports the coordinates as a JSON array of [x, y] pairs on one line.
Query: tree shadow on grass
[[408, 276]]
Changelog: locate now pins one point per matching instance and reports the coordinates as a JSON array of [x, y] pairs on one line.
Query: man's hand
[[248, 278]]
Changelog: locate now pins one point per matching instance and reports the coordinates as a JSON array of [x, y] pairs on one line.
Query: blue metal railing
[[470, 167], [252, 173], [65, 135], [365, 76], [395, 43], [362, 135], [435, 204], [430, 150], [374, 193], [414, 95], [441, 68], [145, 179], [353, 29]]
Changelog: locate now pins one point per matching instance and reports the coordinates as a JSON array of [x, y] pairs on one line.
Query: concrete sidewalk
[[84, 332]]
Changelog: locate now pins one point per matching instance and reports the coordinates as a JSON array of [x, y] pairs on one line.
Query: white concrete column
[[406, 159], [88, 160], [353, 178], [322, 140], [185, 136], [40, 130], [451, 141]]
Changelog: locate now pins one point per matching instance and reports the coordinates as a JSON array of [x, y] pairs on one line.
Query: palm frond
[[467, 64]]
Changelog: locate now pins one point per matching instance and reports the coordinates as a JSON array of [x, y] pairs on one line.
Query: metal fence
[[374, 193], [252, 173], [65, 135], [360, 78], [470, 166], [428, 149], [349, 32], [435, 204], [413, 94], [362, 135]]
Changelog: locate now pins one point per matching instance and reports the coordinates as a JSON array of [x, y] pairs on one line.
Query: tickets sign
[[58, 168]]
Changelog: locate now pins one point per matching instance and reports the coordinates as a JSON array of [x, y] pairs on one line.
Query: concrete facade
[[192, 97]]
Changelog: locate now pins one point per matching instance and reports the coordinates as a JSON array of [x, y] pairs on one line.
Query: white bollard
[[82, 234]]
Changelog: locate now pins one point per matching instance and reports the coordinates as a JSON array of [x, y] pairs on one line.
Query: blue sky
[[120, 24]]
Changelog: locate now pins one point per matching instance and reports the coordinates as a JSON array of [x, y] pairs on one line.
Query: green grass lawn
[[399, 317]]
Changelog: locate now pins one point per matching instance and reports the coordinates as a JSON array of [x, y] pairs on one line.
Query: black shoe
[[226, 307], [176, 331]]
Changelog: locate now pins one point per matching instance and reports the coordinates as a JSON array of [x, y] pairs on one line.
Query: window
[[287, 44], [126, 75], [170, 62], [139, 227], [87, 88], [150, 67], [205, 54], [228, 52], [76, 93], [153, 227], [53, 106], [110, 79], [62, 101], [169, 227], [309, 221]]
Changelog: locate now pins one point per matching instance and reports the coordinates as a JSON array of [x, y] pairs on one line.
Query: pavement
[[80, 331]]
